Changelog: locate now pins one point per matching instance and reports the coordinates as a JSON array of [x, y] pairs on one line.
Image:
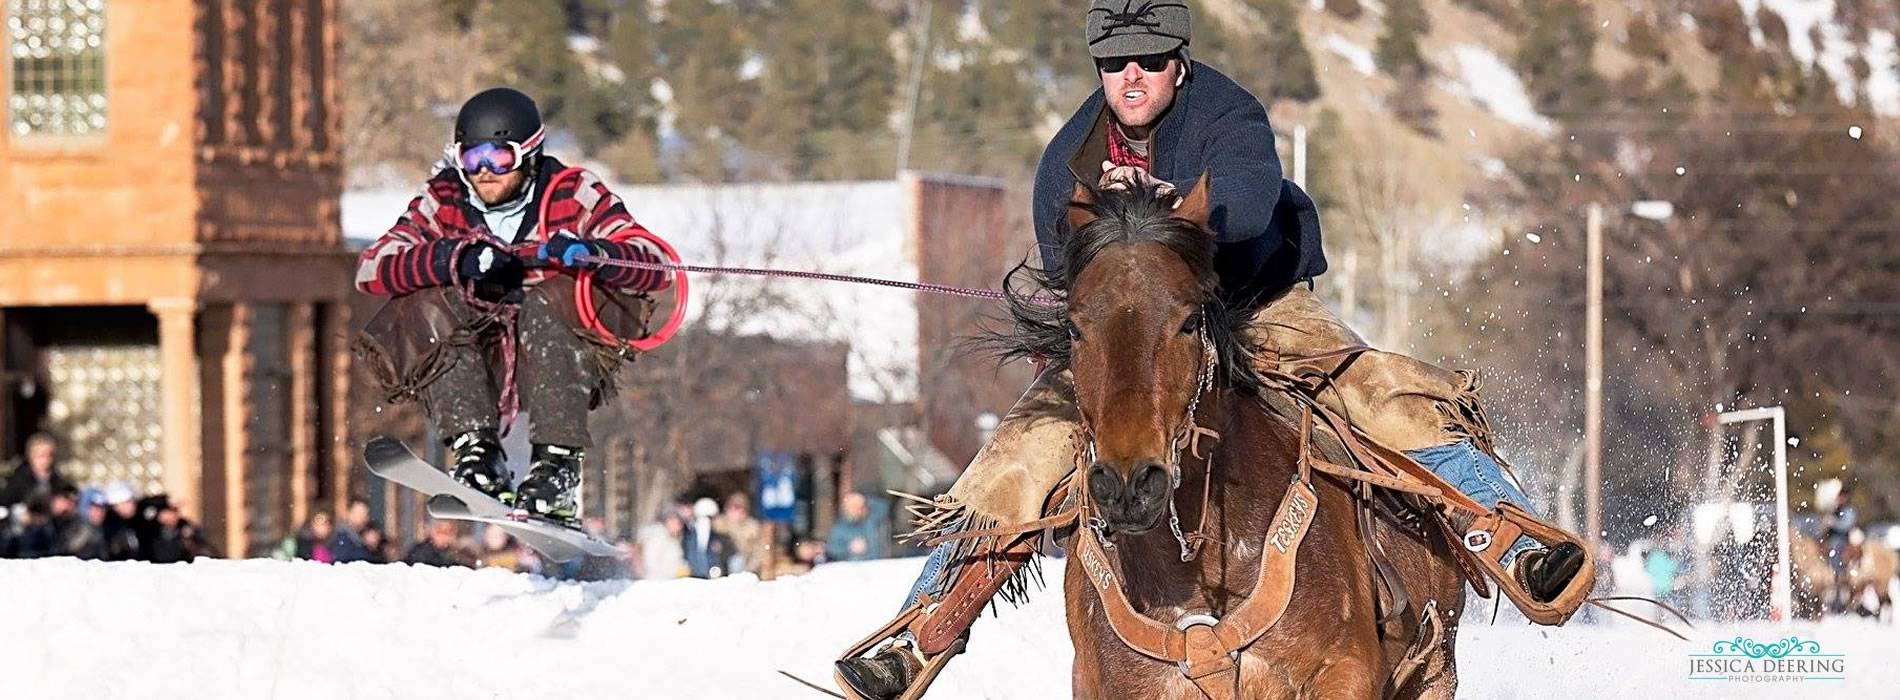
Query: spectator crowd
[[44, 514]]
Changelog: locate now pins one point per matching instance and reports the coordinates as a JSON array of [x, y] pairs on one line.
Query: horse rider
[[463, 299], [1162, 119], [1839, 520]]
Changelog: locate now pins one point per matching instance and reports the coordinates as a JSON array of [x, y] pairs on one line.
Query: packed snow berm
[[270, 629]]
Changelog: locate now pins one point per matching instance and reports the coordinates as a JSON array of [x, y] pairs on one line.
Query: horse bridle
[[1204, 648], [1186, 437]]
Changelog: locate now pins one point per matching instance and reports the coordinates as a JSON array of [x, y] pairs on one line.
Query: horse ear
[[1081, 207], [1195, 207]]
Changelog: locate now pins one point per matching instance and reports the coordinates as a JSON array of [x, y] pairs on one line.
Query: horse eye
[[1075, 334], [1192, 325]]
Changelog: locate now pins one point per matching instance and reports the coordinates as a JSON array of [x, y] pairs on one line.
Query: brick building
[[172, 275]]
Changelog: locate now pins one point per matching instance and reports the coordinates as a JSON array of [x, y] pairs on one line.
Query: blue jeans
[[1481, 478], [930, 580]]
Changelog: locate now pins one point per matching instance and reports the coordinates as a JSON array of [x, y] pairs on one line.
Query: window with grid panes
[[57, 67]]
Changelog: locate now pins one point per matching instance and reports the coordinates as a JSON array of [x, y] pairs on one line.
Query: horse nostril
[[1104, 485], [1150, 485]]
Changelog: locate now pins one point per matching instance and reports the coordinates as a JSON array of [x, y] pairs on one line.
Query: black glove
[[494, 272]]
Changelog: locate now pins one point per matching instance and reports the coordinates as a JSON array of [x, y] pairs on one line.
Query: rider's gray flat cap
[[1136, 27]]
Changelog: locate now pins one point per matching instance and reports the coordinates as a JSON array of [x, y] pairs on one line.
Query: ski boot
[[552, 490], [479, 463]]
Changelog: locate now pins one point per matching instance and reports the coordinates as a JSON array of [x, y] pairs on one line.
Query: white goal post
[[1780, 591]]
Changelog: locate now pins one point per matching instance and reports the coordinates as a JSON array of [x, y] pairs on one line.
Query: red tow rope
[[584, 280]]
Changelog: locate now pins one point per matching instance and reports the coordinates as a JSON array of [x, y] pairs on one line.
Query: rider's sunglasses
[[1151, 63]]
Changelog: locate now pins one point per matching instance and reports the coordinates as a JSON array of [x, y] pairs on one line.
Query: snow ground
[[266, 629]]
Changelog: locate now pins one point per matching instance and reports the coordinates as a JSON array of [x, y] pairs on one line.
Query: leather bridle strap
[[1203, 648]]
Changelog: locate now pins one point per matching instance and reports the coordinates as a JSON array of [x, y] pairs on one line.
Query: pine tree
[[982, 116], [1325, 159], [1398, 51], [629, 48], [1411, 102], [1290, 75], [1647, 41], [703, 50], [1503, 12], [530, 39], [1555, 57], [829, 87]]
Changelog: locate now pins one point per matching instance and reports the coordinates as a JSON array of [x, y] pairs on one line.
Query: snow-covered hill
[[265, 629]]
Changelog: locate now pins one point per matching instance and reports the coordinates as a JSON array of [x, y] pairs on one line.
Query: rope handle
[[584, 279]]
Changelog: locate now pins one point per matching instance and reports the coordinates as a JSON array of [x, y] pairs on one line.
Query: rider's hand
[[494, 272], [1125, 177], [481, 261]]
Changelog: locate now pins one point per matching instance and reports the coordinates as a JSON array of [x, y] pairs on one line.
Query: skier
[[473, 272]]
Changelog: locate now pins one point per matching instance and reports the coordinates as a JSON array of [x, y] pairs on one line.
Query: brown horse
[[1871, 567], [1819, 588], [1815, 581], [1155, 353]]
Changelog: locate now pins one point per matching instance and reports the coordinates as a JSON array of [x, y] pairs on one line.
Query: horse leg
[[1085, 679], [1437, 677], [1349, 677]]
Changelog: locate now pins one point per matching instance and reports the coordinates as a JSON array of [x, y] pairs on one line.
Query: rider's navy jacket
[[1268, 227]]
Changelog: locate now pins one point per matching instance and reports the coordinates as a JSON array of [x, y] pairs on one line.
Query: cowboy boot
[[884, 675], [1545, 572], [912, 649]]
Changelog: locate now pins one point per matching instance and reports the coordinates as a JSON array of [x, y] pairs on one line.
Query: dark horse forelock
[[1040, 328]]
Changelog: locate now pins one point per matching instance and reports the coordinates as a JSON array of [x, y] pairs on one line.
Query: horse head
[[1147, 334]]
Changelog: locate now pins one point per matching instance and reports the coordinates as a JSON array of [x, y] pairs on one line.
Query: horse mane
[[1037, 299]]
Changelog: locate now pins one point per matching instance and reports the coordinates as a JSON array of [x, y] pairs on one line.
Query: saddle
[[1388, 483]]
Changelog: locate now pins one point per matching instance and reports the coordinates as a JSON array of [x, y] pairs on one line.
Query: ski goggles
[[498, 157], [1151, 63]]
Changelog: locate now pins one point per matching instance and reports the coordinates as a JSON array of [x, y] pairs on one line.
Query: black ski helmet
[[499, 114]]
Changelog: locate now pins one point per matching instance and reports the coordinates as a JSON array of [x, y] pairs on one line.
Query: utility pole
[[1299, 155], [920, 55], [1593, 378]]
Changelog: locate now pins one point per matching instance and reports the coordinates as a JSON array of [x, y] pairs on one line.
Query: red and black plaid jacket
[[421, 249]]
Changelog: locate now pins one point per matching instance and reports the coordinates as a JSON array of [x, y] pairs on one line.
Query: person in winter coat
[[317, 540], [442, 548], [708, 553], [481, 273], [124, 528], [37, 474], [854, 537], [72, 534], [1164, 124], [662, 549]]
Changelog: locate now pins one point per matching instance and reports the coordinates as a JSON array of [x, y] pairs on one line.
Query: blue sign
[[778, 486]]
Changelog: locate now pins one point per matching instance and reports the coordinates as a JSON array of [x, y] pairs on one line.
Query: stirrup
[[1488, 536], [909, 620]]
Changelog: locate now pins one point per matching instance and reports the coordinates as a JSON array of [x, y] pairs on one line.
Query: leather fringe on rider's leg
[[607, 357], [944, 516], [400, 384], [1464, 416]]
